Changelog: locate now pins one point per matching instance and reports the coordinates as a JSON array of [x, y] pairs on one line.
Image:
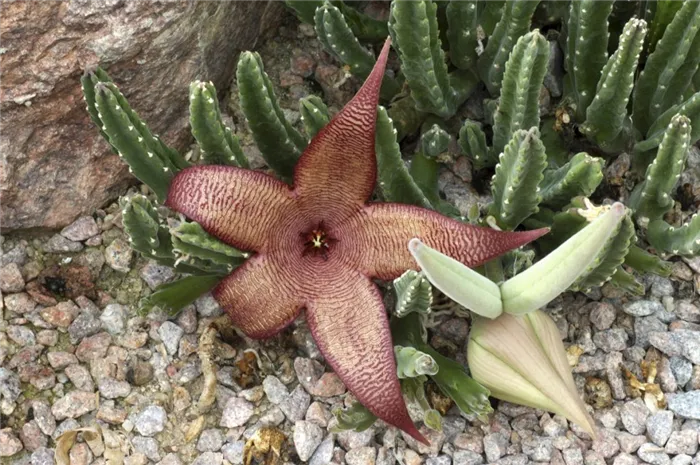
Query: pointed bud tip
[[414, 245], [618, 208]]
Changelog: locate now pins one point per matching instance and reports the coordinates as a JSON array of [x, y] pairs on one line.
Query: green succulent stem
[[314, 115], [515, 188], [355, 418], [575, 218], [652, 198], [149, 159], [393, 177], [363, 26], [580, 176], [514, 23], [406, 118], [415, 31], [462, 20], [280, 144], [644, 262], [146, 235], [339, 40], [518, 107], [472, 143], [191, 239], [683, 240], [219, 146], [411, 362], [607, 122], [173, 297], [586, 50], [669, 69], [490, 12], [690, 109], [451, 378], [413, 294]]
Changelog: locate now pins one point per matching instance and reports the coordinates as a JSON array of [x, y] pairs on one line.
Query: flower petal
[[351, 329], [381, 231], [239, 207], [338, 169], [260, 297]]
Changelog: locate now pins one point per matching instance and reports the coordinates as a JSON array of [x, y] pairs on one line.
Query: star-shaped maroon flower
[[319, 243]]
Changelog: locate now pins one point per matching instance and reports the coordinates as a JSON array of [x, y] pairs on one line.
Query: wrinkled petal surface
[[351, 329], [239, 207], [338, 169], [260, 297], [381, 233]]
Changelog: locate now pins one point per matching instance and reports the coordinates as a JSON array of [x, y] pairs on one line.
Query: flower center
[[317, 241]]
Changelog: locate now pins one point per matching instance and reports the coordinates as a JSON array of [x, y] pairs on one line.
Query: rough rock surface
[[53, 155]]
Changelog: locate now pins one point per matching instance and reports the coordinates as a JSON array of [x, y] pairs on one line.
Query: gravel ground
[[75, 353]]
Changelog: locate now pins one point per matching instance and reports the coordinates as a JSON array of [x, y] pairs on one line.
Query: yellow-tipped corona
[[521, 359]]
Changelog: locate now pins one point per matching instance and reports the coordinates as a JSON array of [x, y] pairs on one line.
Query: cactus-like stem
[[470, 396], [355, 418], [580, 176], [174, 296], [434, 141], [149, 159], [219, 146], [518, 107], [644, 262], [364, 27], [683, 240], [607, 123], [395, 182], [146, 234], [340, 41], [490, 12], [652, 198], [414, 390], [413, 294], [411, 362], [279, 143], [626, 281], [415, 29], [305, 9], [551, 12], [515, 188], [587, 50], [191, 239], [87, 82], [669, 69], [314, 114], [424, 168], [407, 119], [665, 12], [514, 22], [690, 108], [472, 142], [461, 33]]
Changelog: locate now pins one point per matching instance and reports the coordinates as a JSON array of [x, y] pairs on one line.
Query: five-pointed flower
[[318, 244]]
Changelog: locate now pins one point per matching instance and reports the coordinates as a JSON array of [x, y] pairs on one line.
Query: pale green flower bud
[[521, 359]]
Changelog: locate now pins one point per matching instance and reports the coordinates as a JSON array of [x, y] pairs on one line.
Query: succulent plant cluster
[[630, 86]]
